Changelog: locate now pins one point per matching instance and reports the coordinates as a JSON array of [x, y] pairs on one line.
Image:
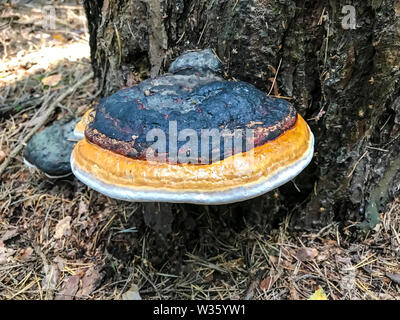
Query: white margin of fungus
[[232, 195], [79, 135]]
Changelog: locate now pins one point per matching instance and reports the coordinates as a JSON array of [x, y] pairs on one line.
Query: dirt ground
[[62, 240]]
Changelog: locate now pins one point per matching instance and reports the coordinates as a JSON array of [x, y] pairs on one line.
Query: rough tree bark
[[345, 82]]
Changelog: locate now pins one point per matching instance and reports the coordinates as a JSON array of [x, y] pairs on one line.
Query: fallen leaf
[[330, 242], [63, 228], [268, 282], [52, 81], [343, 260], [80, 111], [2, 156], [395, 277], [5, 253], [318, 295], [90, 281], [9, 234], [306, 254], [26, 253], [70, 288], [59, 37], [273, 259], [132, 294]]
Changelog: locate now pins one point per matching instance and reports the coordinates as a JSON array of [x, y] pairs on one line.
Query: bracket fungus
[[190, 136]]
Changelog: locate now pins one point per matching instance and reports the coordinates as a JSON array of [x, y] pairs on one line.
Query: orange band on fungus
[[86, 119], [247, 169]]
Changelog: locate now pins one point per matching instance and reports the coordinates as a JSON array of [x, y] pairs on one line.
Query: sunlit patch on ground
[[44, 59]]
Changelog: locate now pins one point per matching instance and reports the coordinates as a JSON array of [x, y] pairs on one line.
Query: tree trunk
[[340, 64]]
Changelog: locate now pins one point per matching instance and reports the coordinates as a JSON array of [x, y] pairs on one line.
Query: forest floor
[[62, 240]]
